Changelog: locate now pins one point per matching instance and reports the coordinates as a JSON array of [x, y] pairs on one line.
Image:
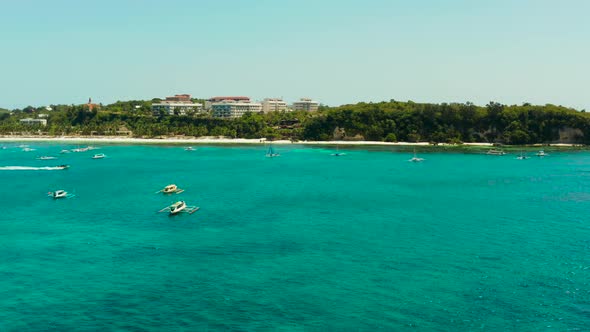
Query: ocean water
[[302, 242]]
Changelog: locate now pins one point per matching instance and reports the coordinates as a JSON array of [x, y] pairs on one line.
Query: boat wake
[[30, 168]]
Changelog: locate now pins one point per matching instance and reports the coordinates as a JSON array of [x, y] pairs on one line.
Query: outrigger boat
[[170, 189], [60, 194], [98, 156], [46, 158], [180, 207]]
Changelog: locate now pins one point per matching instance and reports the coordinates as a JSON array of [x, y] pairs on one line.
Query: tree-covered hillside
[[384, 121]]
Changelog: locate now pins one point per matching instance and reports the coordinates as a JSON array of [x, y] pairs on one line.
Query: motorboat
[[46, 158], [98, 156], [59, 194], [27, 149], [171, 189], [495, 152], [541, 154], [80, 149], [63, 166]]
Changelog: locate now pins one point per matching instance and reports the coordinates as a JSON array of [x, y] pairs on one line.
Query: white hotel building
[[306, 104], [234, 109], [273, 105], [177, 105]]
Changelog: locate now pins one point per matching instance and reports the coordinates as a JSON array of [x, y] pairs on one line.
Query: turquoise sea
[[302, 242]]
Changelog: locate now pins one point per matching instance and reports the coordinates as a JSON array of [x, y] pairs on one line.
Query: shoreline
[[254, 141]]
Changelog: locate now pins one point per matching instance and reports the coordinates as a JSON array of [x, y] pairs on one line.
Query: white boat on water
[[179, 207], [98, 156], [270, 152], [64, 151], [27, 149], [171, 189], [46, 158], [416, 159], [495, 152], [541, 154], [190, 148], [522, 156], [59, 194], [80, 149]]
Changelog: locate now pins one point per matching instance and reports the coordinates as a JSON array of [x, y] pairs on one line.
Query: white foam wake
[[30, 168]]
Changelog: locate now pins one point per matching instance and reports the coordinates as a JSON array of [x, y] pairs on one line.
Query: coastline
[[216, 140]]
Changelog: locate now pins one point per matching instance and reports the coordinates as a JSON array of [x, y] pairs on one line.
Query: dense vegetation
[[384, 121]]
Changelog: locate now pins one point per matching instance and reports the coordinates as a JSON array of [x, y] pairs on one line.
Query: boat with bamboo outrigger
[[170, 189], [179, 207]]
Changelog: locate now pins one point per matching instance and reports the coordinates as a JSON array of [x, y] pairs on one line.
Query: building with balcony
[[274, 105], [32, 122], [306, 104], [234, 109], [214, 100], [177, 105]]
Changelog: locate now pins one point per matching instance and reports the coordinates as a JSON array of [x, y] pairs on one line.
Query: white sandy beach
[[203, 140]]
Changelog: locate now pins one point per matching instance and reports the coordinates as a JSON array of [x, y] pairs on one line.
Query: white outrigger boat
[[179, 207], [60, 194], [98, 156], [170, 189]]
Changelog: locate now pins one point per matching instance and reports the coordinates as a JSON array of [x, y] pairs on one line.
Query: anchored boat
[[170, 189], [179, 207], [60, 194]]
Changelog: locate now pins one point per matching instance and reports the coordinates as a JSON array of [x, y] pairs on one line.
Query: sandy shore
[[203, 140], [216, 140]]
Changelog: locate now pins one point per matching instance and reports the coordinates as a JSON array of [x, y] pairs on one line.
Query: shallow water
[[305, 241]]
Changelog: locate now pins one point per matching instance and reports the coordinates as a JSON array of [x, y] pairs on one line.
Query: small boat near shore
[[415, 158], [495, 152], [46, 158], [270, 152], [522, 156], [99, 156], [64, 151], [189, 148], [541, 154]]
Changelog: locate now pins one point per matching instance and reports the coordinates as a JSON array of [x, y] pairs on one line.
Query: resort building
[[234, 109], [306, 104], [177, 105], [214, 100], [273, 105], [31, 121]]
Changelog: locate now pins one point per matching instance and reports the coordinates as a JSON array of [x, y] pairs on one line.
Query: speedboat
[[177, 207], [58, 194], [98, 156], [63, 166], [46, 158], [495, 152], [541, 154]]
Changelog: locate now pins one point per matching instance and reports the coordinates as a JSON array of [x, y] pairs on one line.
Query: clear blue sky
[[335, 51]]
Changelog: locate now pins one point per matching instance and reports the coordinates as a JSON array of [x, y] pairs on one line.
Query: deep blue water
[[305, 241]]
